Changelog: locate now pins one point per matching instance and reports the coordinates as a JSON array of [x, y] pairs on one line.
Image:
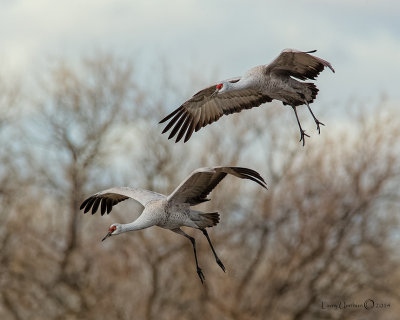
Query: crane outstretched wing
[[110, 197], [195, 188], [205, 107], [298, 64]]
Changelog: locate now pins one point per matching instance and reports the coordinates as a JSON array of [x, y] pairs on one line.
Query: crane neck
[[139, 224]]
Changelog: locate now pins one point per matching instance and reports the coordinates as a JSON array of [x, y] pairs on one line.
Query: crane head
[[111, 230], [218, 87]]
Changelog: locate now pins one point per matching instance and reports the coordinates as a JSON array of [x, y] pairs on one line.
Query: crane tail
[[204, 220], [208, 219]]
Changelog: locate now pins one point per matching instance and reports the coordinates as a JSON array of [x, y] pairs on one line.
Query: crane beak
[[107, 235], [214, 93]]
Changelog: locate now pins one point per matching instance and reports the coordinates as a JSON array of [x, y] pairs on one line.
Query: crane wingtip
[[164, 130]]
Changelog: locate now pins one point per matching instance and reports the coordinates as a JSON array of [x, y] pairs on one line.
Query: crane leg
[[193, 241], [212, 248], [302, 132], [317, 122]]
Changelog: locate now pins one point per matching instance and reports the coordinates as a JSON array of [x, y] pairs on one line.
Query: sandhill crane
[[258, 85], [172, 212]]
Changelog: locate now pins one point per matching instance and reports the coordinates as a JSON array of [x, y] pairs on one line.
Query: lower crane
[[172, 212]]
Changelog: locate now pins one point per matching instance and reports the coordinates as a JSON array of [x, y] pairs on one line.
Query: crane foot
[[201, 275], [319, 123], [220, 264], [303, 134]]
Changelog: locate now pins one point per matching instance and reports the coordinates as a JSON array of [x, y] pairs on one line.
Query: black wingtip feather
[[177, 126], [103, 206], [89, 204], [189, 132], [262, 184], [183, 128], [84, 203], [252, 175], [96, 205], [172, 122], [249, 172], [198, 127], [170, 115], [109, 205]]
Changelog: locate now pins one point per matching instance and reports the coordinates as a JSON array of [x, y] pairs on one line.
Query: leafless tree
[[324, 232]]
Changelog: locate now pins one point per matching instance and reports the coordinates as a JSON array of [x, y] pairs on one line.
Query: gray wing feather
[[205, 108], [196, 187], [110, 197], [298, 64]]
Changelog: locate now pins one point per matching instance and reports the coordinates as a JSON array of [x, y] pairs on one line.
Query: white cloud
[[359, 37]]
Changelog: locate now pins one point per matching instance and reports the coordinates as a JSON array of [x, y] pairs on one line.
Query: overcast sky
[[361, 38]]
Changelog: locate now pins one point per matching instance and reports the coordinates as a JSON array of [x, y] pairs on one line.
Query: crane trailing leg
[[193, 241], [212, 248], [302, 132], [317, 122]]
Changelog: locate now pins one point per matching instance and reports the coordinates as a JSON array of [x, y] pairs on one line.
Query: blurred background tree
[[324, 232]]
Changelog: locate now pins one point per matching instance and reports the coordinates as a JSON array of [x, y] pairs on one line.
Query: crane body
[[173, 211], [281, 80]]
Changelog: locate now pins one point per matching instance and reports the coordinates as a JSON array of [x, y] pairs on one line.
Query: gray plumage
[[258, 85], [173, 211]]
